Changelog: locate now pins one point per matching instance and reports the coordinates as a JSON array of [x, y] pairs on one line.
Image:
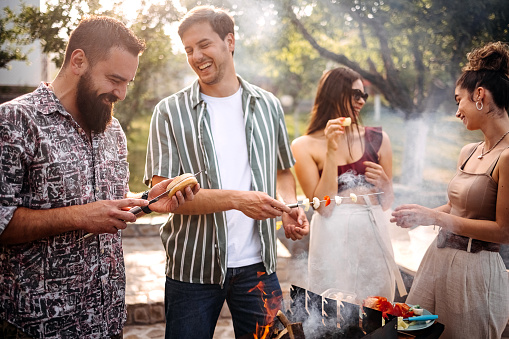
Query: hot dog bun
[[346, 122], [180, 183]]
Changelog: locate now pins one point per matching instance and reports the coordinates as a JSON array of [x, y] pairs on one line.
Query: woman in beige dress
[[462, 277]]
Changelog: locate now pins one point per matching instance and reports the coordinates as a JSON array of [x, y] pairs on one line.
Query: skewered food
[[306, 204], [316, 203], [338, 200]]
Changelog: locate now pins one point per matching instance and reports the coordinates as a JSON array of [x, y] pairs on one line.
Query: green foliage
[[159, 70], [411, 51], [13, 34]]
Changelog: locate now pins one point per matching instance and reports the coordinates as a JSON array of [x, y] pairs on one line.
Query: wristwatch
[[145, 209]]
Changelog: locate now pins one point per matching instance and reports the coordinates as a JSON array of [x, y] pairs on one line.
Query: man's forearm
[[28, 225], [211, 201], [286, 186]]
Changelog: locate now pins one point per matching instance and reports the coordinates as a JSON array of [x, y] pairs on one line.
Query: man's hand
[[168, 204], [296, 224], [259, 205], [106, 216]]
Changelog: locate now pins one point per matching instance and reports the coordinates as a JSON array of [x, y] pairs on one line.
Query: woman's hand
[[332, 131], [407, 216], [376, 176]]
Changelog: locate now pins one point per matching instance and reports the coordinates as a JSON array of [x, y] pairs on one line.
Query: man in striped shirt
[[222, 245]]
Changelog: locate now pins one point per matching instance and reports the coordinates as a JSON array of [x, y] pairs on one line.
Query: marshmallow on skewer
[[316, 203], [338, 200], [306, 204]]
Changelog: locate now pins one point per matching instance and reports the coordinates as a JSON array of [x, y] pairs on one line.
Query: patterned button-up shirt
[[181, 141], [60, 287]]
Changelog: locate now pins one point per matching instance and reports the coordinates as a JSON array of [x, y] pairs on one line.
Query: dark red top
[[353, 174], [373, 140]]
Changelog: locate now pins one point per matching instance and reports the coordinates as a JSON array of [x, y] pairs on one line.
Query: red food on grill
[[402, 310], [327, 200], [380, 304], [386, 307]]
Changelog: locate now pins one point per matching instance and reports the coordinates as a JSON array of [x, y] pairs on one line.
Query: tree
[[157, 75], [271, 53], [13, 34], [411, 51]]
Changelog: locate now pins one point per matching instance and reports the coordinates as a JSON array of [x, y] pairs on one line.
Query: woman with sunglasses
[[350, 248]]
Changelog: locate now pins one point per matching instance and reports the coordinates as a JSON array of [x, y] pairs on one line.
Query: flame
[[271, 304]]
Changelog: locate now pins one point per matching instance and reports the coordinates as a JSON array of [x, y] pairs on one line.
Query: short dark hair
[[96, 35], [222, 23], [488, 67]]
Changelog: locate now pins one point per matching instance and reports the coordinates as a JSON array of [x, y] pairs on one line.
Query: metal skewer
[[137, 209], [296, 204]]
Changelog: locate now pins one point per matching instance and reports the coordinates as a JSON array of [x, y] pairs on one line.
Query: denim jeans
[[192, 310]]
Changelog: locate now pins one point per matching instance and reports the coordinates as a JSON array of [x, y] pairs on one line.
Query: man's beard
[[96, 110]]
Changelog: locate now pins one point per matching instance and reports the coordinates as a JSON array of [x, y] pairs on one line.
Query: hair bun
[[491, 57]]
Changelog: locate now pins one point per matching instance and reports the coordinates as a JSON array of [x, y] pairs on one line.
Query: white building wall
[[33, 71]]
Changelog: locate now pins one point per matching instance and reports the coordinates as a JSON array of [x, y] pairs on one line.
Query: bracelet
[[146, 209], [144, 195]]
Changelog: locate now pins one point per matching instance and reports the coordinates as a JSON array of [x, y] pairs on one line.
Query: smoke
[[350, 180]]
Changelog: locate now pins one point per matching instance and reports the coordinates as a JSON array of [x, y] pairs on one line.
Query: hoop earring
[[479, 108]]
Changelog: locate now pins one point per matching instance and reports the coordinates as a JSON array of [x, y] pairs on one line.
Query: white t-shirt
[[228, 131]]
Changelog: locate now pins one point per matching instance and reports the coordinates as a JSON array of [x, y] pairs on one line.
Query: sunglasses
[[358, 94]]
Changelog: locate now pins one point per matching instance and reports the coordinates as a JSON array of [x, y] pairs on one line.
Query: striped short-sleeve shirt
[[181, 141]]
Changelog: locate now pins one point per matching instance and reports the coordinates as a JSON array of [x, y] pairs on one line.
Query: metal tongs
[[137, 209]]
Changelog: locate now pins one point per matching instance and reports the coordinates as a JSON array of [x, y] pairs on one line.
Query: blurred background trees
[[410, 52]]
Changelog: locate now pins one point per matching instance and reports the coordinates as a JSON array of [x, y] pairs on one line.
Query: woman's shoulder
[[306, 139], [465, 150], [504, 156], [306, 144]]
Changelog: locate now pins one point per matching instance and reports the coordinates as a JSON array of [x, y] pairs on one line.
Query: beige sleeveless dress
[[468, 291]]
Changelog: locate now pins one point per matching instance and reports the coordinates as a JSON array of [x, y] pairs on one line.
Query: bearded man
[[63, 174]]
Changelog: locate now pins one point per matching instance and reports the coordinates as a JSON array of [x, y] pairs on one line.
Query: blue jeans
[[192, 310]]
